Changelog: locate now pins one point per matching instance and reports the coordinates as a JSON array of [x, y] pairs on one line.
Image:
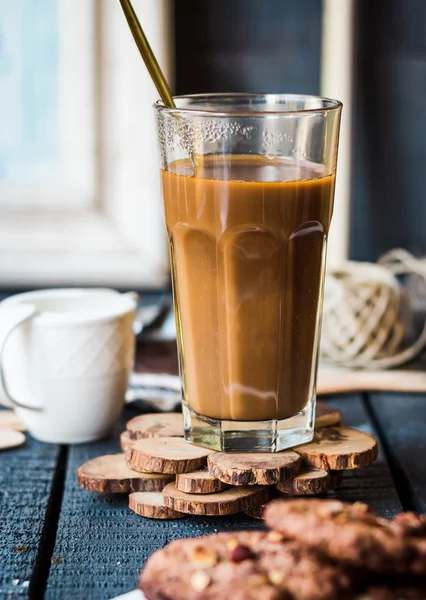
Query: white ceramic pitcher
[[65, 360]]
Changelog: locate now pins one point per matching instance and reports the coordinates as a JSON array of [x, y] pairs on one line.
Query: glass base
[[249, 436]]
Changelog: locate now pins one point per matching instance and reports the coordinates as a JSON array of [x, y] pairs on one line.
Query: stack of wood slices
[[168, 478]]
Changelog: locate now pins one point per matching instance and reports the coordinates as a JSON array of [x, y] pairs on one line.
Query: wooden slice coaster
[[199, 482], [110, 474], [9, 420], [264, 468], [228, 502], [309, 483], [125, 440], [327, 416], [151, 505], [166, 455], [256, 512], [339, 448], [156, 425], [10, 438]]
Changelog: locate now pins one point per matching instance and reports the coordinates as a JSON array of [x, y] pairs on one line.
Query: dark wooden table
[[63, 543]]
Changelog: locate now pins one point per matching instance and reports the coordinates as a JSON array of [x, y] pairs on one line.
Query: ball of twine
[[367, 312]]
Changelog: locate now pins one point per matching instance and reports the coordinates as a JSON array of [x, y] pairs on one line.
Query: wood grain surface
[[309, 483], [28, 475], [156, 425], [165, 455], [326, 415], [125, 440], [199, 482], [11, 438], [339, 448], [230, 501], [151, 505], [264, 468], [110, 474], [10, 420]]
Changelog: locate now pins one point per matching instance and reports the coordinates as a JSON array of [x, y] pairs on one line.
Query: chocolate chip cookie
[[351, 533], [246, 565]]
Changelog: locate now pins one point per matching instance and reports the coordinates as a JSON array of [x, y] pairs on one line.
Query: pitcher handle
[[10, 319]]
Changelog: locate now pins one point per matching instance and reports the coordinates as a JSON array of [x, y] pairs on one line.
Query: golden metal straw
[[147, 54]]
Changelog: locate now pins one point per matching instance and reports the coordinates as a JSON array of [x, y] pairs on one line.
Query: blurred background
[[79, 187]]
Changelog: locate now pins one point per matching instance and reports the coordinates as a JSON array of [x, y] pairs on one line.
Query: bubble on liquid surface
[[270, 155]]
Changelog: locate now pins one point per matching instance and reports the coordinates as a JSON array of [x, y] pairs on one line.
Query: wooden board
[[11, 438], [199, 482], [265, 468], [339, 448], [151, 505], [334, 380], [165, 455], [27, 493], [402, 418], [156, 425], [336, 478], [110, 474], [228, 502], [309, 483]]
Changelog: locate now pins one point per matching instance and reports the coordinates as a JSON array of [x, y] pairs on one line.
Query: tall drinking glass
[[248, 186]]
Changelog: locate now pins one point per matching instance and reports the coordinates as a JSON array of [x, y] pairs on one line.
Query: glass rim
[[267, 98]]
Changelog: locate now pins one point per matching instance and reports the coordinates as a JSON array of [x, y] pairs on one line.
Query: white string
[[367, 312]]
